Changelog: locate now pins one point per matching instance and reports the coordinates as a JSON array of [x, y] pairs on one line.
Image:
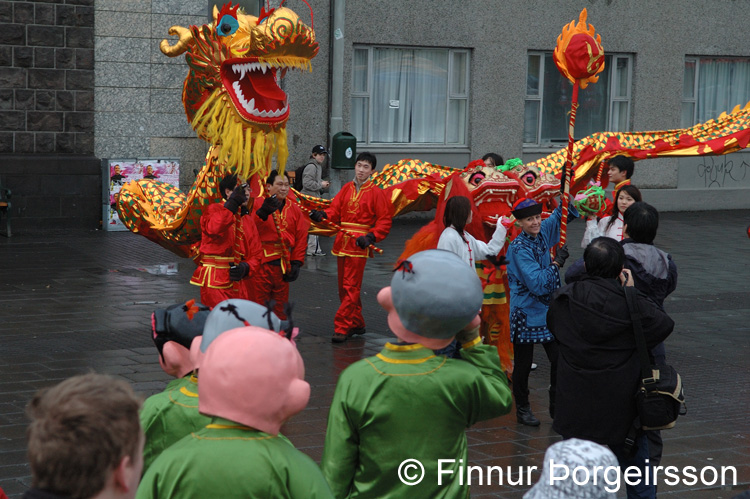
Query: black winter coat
[[598, 367]]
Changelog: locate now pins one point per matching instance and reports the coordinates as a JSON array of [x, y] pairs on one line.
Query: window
[[713, 85], [602, 106], [410, 95]]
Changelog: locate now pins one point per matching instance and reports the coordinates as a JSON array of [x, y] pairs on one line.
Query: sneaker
[[338, 338], [357, 330], [319, 253], [533, 366]]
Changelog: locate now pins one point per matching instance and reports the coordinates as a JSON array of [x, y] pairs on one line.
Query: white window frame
[[452, 94], [613, 100]]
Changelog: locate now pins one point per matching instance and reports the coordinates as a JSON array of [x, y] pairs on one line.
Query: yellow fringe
[[282, 153], [244, 150]]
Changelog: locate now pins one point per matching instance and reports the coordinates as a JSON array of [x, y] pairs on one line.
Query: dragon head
[[231, 94], [495, 189]]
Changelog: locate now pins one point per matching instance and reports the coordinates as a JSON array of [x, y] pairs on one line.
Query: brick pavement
[[71, 302]]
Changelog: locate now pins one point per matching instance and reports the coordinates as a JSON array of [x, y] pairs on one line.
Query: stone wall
[[139, 111], [47, 112]]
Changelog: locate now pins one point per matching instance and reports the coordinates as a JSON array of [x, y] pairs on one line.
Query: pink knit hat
[[254, 377]]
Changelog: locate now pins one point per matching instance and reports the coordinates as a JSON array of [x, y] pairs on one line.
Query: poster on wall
[[119, 172]]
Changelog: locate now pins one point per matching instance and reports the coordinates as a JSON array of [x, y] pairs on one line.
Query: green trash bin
[[343, 151]]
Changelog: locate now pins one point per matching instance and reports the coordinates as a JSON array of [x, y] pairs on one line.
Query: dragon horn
[[182, 44]]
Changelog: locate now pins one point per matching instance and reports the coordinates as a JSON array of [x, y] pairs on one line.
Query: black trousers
[[523, 353]]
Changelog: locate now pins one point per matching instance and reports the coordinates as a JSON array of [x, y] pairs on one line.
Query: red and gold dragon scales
[[233, 101]]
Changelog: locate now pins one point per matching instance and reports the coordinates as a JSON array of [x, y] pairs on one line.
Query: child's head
[[365, 166], [620, 169], [457, 213]]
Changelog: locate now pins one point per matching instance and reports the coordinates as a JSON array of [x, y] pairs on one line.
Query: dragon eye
[[529, 178], [227, 25]]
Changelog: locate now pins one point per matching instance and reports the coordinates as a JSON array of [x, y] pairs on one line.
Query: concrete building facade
[[440, 81]]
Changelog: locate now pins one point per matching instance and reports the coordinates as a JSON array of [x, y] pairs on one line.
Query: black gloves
[[293, 273], [239, 271], [318, 215], [236, 199], [270, 205], [497, 262], [562, 255], [366, 240]]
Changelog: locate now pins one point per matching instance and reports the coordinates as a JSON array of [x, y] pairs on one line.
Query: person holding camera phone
[[598, 369], [230, 248]]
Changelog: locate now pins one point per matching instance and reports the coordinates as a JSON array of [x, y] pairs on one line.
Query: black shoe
[[526, 417], [338, 338], [357, 330]]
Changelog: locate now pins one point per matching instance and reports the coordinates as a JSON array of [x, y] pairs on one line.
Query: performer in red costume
[[364, 212], [283, 233], [230, 249]]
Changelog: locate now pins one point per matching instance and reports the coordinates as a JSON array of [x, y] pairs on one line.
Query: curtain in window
[[722, 84], [409, 95]]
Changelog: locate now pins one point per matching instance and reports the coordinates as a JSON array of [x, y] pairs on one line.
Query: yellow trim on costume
[[445, 359], [219, 426], [403, 348], [177, 402], [472, 343], [184, 390], [403, 361], [193, 378], [356, 225], [351, 255]]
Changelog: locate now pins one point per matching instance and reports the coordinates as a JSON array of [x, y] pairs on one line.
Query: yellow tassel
[[282, 151], [247, 153], [259, 153]]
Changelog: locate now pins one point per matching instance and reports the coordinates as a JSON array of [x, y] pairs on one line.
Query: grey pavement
[[72, 302]]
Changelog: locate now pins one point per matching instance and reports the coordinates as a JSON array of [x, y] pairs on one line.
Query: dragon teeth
[[245, 68], [250, 106]]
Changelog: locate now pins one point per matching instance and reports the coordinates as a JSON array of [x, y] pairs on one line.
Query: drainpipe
[[336, 121]]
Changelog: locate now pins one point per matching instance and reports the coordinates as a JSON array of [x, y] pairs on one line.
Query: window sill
[[361, 146], [543, 149]]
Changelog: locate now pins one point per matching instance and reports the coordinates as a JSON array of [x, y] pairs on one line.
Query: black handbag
[[659, 398]]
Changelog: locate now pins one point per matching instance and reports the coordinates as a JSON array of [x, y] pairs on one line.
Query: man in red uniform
[[619, 170], [230, 248], [364, 212], [283, 233]]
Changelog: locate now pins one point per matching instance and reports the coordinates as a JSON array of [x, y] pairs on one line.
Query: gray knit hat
[[600, 472]]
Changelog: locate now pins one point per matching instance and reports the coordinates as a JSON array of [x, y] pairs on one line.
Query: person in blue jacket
[[533, 275]]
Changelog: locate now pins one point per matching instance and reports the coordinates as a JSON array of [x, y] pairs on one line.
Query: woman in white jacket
[[454, 239], [611, 226]]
